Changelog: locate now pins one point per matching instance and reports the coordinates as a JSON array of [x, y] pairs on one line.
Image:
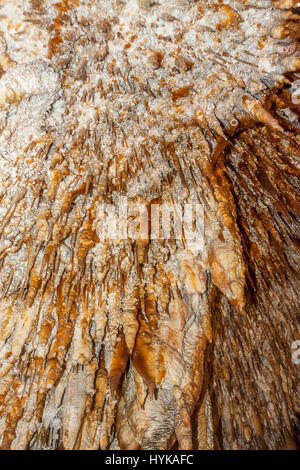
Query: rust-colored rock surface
[[149, 224]]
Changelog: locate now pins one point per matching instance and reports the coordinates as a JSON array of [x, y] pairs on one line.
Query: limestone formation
[[111, 337]]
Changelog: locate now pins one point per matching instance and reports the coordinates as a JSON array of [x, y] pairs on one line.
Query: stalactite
[[142, 337]]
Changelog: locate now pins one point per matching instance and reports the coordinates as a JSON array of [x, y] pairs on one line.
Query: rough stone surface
[[129, 343]]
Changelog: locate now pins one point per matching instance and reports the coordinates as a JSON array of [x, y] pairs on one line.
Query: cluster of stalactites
[[103, 342]]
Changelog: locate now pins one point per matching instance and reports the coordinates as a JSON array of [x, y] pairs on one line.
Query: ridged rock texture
[[134, 343]]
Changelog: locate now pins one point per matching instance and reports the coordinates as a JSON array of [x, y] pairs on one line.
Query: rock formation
[[114, 341]]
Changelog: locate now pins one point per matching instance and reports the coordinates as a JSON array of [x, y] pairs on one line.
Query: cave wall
[[113, 341]]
